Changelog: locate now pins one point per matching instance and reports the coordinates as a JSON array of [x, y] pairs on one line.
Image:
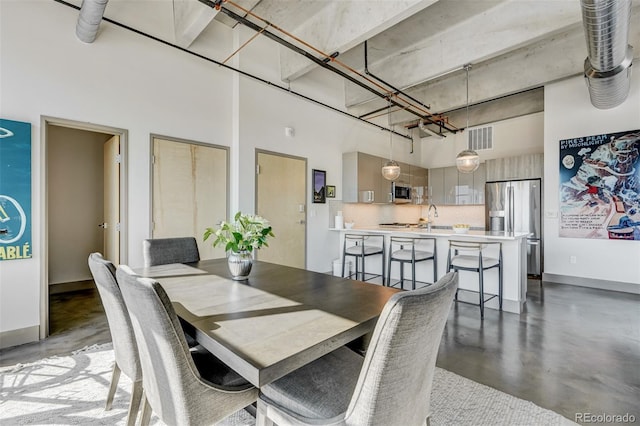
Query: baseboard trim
[[592, 283], [19, 337], [72, 286]]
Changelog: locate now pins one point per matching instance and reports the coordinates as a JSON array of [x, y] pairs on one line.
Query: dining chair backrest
[[161, 251], [173, 386], [124, 342], [394, 386]]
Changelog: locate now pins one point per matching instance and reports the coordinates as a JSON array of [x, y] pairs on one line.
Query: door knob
[[301, 222], [103, 225]]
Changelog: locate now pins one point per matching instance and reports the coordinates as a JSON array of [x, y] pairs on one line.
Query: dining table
[[277, 320]]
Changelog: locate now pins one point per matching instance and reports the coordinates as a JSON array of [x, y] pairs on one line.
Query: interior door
[[281, 194], [190, 191], [111, 223]]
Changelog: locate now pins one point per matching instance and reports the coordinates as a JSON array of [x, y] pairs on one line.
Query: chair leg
[[146, 411], [388, 272], [134, 403], [115, 376], [261, 415], [402, 275], [343, 260]]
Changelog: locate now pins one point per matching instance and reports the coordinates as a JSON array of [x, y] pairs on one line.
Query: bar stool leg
[[413, 274], [500, 284], [481, 276], [388, 271]]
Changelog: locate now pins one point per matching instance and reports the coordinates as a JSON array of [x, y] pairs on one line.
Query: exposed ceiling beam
[[342, 25], [190, 18], [500, 29]]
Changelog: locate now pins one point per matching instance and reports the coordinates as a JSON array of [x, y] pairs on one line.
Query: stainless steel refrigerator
[[516, 206]]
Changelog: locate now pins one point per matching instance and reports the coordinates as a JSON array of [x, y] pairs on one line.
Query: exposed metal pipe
[[326, 62], [91, 13], [607, 69]]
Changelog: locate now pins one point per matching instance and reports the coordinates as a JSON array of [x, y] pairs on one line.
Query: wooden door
[[190, 191], [111, 223], [281, 194]]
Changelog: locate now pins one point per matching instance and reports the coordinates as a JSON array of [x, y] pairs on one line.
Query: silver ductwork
[[607, 69], [91, 13]]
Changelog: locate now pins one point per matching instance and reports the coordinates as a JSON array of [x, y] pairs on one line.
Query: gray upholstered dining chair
[[181, 387], [161, 251], [390, 386], [124, 343]]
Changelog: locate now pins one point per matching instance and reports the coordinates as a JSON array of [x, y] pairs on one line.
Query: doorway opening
[[84, 181]]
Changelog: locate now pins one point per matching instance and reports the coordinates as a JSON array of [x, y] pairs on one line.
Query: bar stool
[[411, 250], [361, 246], [477, 256]]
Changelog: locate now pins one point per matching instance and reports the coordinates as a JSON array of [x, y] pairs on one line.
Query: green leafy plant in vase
[[240, 237]]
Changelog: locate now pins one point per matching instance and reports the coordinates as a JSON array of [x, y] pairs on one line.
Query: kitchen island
[[514, 263]]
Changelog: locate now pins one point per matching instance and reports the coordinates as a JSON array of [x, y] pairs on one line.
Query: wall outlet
[[573, 260]]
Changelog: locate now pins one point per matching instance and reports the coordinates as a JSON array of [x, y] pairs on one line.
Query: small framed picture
[[331, 191], [319, 186]]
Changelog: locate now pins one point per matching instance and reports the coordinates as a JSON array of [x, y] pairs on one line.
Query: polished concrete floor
[[574, 350]]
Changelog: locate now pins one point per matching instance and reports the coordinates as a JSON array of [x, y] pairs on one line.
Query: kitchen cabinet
[[450, 187], [420, 185], [362, 179], [528, 166]]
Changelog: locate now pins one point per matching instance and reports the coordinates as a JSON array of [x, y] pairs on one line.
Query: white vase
[[240, 264]]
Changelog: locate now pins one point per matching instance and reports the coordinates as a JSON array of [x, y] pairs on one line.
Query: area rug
[[70, 390]]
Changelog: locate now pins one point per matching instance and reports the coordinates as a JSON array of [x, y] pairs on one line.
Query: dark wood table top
[[278, 320]]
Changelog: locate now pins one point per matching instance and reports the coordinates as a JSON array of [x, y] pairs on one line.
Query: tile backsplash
[[373, 214]]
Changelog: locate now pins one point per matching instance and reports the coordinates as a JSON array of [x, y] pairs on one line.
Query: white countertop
[[445, 233]]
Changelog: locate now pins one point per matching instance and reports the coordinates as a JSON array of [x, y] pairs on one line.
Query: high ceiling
[[419, 46]]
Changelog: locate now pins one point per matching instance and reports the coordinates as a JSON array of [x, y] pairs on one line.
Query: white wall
[[512, 137], [569, 113], [122, 80], [126, 81]]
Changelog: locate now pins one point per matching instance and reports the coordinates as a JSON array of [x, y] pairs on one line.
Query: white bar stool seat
[[361, 246], [412, 250], [477, 256]]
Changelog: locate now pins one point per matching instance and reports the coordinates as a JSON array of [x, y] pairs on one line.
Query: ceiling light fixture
[[467, 161], [390, 169]]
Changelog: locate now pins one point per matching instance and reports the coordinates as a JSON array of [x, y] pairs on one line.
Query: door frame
[[306, 191], [45, 121]]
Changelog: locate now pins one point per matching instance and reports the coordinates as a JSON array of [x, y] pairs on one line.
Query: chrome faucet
[[429, 218]]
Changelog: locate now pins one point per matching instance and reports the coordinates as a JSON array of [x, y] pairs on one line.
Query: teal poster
[[15, 190]]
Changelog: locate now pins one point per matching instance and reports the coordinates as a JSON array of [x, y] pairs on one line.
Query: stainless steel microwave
[[401, 193]]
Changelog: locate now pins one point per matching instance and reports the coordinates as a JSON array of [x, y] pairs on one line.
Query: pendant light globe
[[391, 170], [467, 161]]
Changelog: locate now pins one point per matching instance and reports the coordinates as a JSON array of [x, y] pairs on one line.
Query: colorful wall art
[[15, 190], [600, 186]]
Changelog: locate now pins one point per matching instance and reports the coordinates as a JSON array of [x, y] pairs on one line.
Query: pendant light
[[467, 161], [390, 169]]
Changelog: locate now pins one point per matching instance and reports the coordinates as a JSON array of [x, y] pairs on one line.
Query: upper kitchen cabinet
[[420, 185], [529, 166], [362, 179], [448, 186]]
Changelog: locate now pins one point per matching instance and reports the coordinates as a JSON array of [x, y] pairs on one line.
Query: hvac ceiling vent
[[480, 138]]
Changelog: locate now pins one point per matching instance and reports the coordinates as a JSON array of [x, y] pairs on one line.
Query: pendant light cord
[[467, 67], [390, 132]]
